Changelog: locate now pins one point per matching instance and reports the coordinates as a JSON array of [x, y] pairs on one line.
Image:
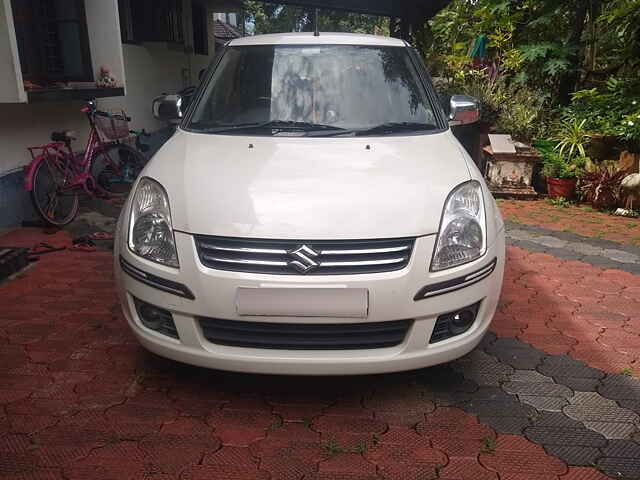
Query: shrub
[[557, 165], [600, 184]]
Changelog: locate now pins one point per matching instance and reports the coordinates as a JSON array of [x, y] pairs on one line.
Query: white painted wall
[[23, 125], [149, 70], [11, 89], [103, 26], [153, 69]]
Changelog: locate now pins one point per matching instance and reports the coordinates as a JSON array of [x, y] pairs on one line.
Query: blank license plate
[[303, 302]]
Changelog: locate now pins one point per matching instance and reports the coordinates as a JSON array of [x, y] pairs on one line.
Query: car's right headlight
[[150, 228], [463, 230]]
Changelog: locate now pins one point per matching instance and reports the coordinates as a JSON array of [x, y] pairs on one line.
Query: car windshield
[[314, 90]]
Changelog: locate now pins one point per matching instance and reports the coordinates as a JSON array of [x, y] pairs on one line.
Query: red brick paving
[[80, 399], [571, 307], [579, 219]]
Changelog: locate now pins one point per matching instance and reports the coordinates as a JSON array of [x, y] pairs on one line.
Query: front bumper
[[391, 297]]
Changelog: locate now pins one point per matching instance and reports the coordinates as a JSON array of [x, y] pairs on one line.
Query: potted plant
[[563, 166], [562, 173], [600, 184]]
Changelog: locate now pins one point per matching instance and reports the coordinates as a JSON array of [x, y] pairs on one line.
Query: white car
[[313, 214]]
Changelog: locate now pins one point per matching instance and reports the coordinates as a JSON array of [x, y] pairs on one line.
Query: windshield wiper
[[389, 127], [279, 125]]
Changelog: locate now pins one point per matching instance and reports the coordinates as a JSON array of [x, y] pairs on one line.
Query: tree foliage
[[558, 45], [274, 18]]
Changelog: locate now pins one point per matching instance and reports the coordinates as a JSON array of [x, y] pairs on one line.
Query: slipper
[[101, 236], [82, 247], [42, 248], [84, 240]]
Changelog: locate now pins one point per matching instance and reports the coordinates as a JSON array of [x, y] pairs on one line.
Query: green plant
[[488, 445], [627, 372], [573, 138], [360, 448], [557, 165], [475, 83], [613, 110], [600, 184], [332, 449], [276, 424], [559, 202], [521, 112]]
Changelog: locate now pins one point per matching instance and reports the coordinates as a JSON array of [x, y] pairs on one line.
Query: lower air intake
[[295, 336]]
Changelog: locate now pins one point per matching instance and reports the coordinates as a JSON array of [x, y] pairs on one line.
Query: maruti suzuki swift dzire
[[313, 214]]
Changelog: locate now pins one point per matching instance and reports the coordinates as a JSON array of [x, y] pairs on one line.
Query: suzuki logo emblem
[[303, 259]]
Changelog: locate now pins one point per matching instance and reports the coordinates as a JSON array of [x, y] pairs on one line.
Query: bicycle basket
[[113, 127]]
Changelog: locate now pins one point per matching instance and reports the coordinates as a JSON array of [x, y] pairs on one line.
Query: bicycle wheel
[[115, 168], [56, 204]]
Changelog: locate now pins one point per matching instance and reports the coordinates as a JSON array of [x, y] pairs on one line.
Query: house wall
[[10, 73], [146, 70], [153, 69], [103, 27]]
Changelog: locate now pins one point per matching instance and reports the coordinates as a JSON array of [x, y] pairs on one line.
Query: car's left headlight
[[150, 228], [463, 230]]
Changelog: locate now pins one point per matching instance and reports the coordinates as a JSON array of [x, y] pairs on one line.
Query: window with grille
[[151, 21], [52, 41]]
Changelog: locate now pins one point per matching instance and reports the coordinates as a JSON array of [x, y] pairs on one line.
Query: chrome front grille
[[291, 257]]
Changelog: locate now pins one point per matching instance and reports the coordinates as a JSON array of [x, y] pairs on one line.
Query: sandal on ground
[[83, 244], [42, 248], [101, 236], [83, 247]]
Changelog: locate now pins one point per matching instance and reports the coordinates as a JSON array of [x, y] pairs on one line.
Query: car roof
[[308, 38]]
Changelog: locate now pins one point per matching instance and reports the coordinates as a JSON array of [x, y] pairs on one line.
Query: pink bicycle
[[107, 167]]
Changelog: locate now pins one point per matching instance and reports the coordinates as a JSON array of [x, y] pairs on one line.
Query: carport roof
[[408, 9]]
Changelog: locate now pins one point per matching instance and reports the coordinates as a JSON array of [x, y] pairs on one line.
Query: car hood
[[308, 188]]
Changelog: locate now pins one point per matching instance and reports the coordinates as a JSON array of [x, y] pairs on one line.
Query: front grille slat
[[365, 263], [322, 257], [294, 336], [244, 261]]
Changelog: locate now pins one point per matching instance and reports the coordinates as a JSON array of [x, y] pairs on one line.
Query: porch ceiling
[[406, 9]]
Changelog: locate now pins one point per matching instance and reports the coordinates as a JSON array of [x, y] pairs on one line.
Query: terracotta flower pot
[[561, 187]]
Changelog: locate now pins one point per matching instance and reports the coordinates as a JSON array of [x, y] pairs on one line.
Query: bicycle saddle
[[66, 136]]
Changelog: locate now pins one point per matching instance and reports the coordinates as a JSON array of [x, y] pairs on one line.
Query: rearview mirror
[[168, 108], [464, 110]]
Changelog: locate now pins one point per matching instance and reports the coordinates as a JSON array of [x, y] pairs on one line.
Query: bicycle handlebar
[[92, 108]]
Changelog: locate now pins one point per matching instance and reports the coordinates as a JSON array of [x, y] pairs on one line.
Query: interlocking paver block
[[460, 468], [120, 392], [529, 376], [554, 419], [621, 449], [579, 384], [620, 387], [547, 404], [514, 425], [514, 454], [565, 366], [565, 436], [613, 429], [537, 389], [515, 353], [592, 407], [490, 402], [572, 455], [482, 368], [627, 468]]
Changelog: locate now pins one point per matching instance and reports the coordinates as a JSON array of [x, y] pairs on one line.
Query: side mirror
[[464, 110], [168, 108]]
